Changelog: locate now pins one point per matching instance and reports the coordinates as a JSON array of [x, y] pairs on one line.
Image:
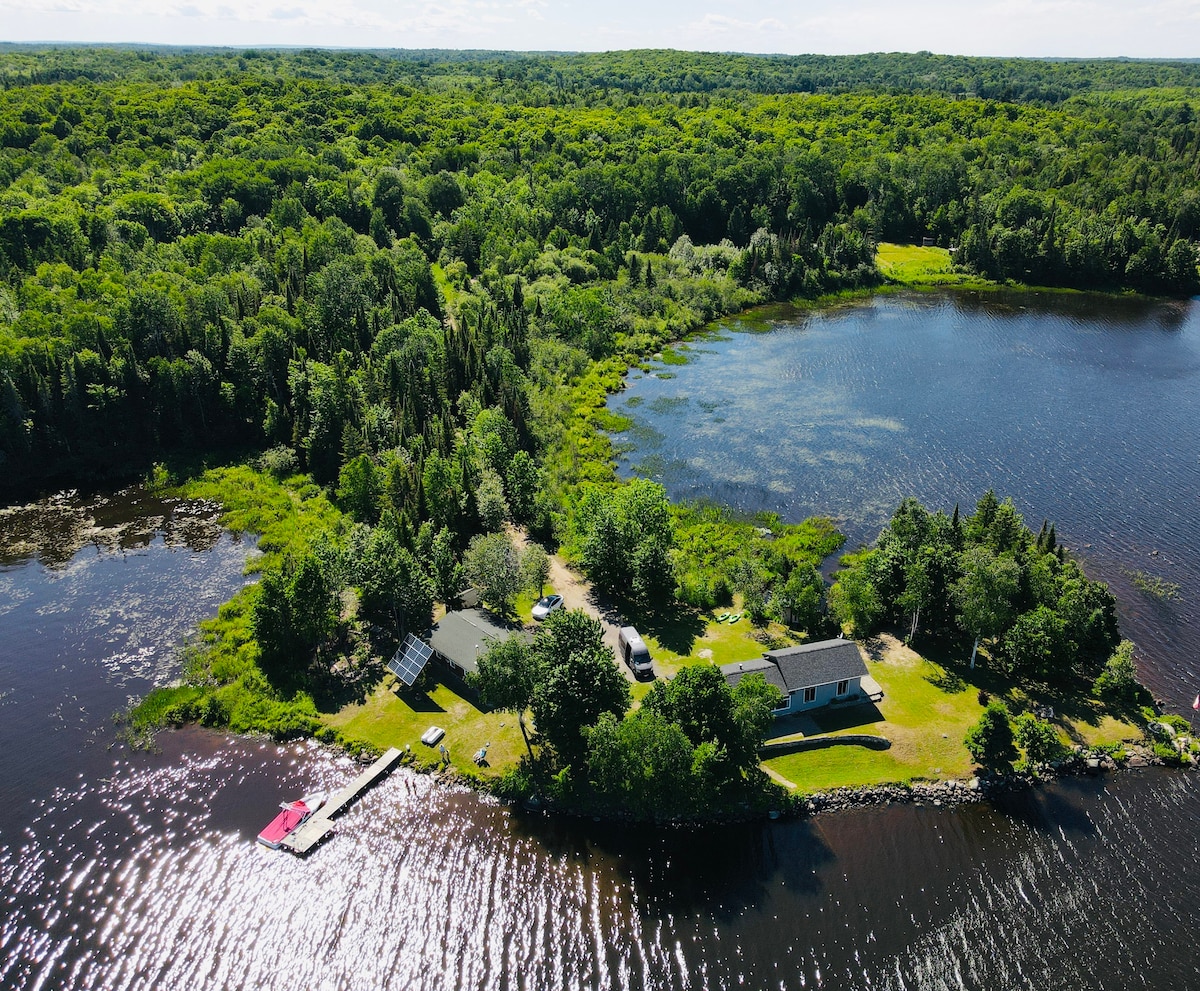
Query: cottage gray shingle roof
[[463, 636], [810, 665], [822, 663], [736, 672]]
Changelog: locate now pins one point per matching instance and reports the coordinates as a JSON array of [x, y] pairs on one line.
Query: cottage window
[[843, 687], [810, 695], [784, 705]]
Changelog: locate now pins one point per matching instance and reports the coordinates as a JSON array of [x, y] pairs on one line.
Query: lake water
[[121, 869], [1082, 408]]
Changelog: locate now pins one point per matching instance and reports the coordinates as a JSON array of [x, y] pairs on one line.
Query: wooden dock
[[319, 826]]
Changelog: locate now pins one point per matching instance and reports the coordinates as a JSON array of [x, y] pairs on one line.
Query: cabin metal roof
[[463, 636]]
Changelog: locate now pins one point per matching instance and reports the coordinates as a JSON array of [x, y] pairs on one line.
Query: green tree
[[1036, 645], [627, 536], [291, 616], [854, 600], [750, 578], [271, 620], [1089, 614], [985, 593], [566, 632], [1117, 684], [990, 741], [754, 705], [359, 489], [437, 553], [505, 679], [522, 482], [394, 587], [1038, 739], [577, 681], [802, 598], [698, 699], [535, 568], [492, 565], [314, 603], [490, 501], [642, 763]]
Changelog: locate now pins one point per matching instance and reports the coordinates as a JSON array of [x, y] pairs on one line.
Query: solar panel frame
[[409, 660]]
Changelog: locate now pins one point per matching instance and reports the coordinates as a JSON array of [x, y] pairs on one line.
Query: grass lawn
[[688, 637], [926, 710], [915, 266], [717, 643], [392, 718]]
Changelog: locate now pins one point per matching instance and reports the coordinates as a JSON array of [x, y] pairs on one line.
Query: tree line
[[988, 577], [251, 258]]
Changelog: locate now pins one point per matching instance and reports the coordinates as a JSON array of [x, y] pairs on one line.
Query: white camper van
[[634, 652]]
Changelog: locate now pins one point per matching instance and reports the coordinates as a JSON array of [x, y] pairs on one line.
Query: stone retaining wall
[[821, 742]]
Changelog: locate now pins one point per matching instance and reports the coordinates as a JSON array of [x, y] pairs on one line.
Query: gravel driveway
[[577, 594]]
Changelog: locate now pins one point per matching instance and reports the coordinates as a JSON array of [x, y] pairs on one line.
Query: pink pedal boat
[[291, 817]]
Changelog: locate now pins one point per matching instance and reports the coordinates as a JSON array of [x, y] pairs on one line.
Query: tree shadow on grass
[[675, 627], [1071, 704], [1071, 701], [339, 687], [416, 699], [950, 682], [953, 656]]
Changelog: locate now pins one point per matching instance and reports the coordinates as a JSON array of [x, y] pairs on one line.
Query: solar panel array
[[410, 659]]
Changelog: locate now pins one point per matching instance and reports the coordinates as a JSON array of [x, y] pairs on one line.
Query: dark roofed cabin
[[828, 672], [460, 638]]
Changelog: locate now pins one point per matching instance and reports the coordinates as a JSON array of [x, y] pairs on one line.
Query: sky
[[1078, 28]]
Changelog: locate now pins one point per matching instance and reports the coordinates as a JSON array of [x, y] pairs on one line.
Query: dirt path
[[577, 594]]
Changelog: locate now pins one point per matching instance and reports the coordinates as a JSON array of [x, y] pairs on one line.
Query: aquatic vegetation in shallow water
[[1154, 586]]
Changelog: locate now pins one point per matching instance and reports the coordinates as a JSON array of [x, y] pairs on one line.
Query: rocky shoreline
[[952, 793]]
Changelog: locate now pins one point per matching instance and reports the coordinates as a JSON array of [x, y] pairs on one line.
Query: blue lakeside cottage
[[813, 675]]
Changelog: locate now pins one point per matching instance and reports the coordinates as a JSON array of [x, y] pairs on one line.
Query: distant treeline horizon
[[354, 256]]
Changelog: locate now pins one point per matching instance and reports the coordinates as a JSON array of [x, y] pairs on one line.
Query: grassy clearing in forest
[[911, 265]]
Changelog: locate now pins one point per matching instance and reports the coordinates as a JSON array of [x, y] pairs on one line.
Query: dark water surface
[[135, 870], [1085, 409]]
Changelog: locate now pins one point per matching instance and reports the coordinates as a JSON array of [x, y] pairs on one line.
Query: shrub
[[1177, 723], [990, 741], [1038, 739], [279, 461], [703, 591], [1167, 754], [1117, 683]]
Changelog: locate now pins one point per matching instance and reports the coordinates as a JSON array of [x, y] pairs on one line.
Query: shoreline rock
[[955, 792]]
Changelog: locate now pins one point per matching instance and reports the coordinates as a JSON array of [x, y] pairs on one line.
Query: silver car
[[546, 605]]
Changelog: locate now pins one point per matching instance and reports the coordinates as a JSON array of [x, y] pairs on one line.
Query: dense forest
[[263, 249], [989, 578]]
